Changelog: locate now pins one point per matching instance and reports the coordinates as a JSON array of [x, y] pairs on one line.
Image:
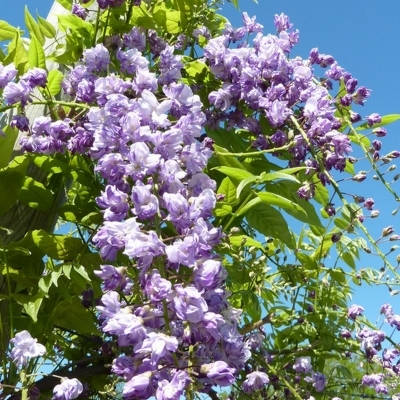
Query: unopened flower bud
[[394, 154], [359, 177], [387, 231], [367, 250], [398, 259], [352, 160], [394, 237], [374, 213], [336, 237], [235, 230], [380, 132], [220, 196], [375, 177], [393, 248], [359, 199]]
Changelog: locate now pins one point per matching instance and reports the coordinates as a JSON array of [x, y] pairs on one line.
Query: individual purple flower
[[210, 274], [17, 92], [25, 347], [68, 389], [361, 95], [97, 58], [139, 387], [219, 372], [35, 77], [7, 74], [372, 380], [302, 364], [146, 203], [114, 202], [282, 22], [173, 390], [157, 288], [158, 346], [189, 304], [255, 381], [250, 23], [111, 276], [354, 311], [79, 11], [20, 122], [379, 132], [318, 381], [373, 119]]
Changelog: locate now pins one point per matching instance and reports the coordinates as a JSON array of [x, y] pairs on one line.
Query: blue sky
[[362, 36]]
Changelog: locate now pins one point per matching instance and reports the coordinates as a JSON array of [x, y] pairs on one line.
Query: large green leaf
[[169, 20], [7, 144], [270, 222], [235, 173], [35, 195], [7, 32], [54, 80], [279, 201], [33, 27], [46, 28], [67, 4], [17, 53], [71, 315], [228, 189], [36, 54], [142, 18], [11, 181]]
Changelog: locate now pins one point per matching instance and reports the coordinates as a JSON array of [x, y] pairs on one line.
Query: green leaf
[[7, 144], [338, 275], [285, 174], [30, 303], [46, 28], [244, 183], [54, 80], [67, 4], [75, 23], [50, 164], [71, 315], [36, 54], [35, 195], [248, 205], [228, 188], [142, 18], [58, 247], [251, 304], [7, 32], [348, 259], [321, 192], [17, 53], [11, 181], [279, 201], [235, 173], [222, 209], [386, 120], [269, 221], [239, 240], [167, 19], [33, 27], [341, 223]]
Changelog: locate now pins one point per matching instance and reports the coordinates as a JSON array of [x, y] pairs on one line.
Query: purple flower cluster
[[263, 79], [317, 379], [142, 132]]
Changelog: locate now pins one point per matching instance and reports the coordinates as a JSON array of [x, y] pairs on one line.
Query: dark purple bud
[[379, 132], [330, 210], [373, 119], [354, 117], [336, 237]]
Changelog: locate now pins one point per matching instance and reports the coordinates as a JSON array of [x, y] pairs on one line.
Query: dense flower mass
[[144, 128]]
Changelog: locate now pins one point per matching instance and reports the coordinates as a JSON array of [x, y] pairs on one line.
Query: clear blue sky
[[362, 35]]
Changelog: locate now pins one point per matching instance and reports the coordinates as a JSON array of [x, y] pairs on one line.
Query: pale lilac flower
[[255, 381], [318, 381], [68, 389], [173, 390], [354, 311], [303, 364], [219, 372], [7, 74], [25, 347], [139, 387]]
